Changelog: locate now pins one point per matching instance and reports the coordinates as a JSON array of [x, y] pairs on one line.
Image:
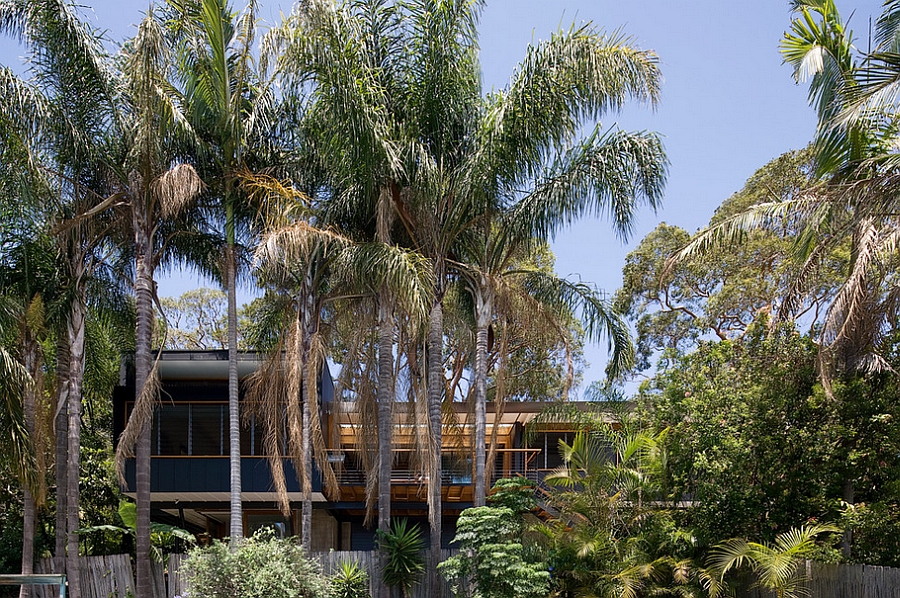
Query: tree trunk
[[483, 312], [143, 363], [435, 395], [848, 494], [306, 505], [234, 414], [62, 430], [385, 418], [309, 400], [32, 361], [75, 331]]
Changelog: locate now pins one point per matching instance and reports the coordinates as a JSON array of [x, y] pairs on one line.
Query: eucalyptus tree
[[229, 108]]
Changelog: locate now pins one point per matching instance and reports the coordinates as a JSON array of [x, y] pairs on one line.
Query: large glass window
[[208, 426], [173, 422], [201, 429]]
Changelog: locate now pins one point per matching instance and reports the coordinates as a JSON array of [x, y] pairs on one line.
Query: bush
[[350, 581], [402, 547], [260, 567], [492, 562]]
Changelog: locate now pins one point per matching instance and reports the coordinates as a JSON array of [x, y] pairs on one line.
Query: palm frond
[[609, 174]]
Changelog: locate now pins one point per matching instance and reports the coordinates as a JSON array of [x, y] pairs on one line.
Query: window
[[208, 427]]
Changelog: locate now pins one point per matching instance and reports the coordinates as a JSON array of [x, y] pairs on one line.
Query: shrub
[[350, 581], [492, 562], [402, 547], [260, 567]]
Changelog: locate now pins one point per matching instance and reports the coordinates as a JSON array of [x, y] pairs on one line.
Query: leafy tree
[[718, 293], [196, 320], [492, 561], [759, 446]]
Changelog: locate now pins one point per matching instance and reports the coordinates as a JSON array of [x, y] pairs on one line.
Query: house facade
[[190, 464]]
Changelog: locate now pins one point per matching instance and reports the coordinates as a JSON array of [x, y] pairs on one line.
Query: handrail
[[43, 579]]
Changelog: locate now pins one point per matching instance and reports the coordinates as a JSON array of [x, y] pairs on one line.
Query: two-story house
[[190, 464]]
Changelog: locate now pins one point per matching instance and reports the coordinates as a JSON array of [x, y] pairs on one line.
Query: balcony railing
[[520, 464]]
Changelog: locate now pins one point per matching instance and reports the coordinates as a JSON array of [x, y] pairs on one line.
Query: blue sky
[[728, 104]]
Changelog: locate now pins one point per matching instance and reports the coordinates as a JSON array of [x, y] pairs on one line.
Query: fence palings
[[839, 581], [111, 577]]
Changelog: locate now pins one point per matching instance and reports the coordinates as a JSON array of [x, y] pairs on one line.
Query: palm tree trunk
[[385, 418], [435, 395], [308, 323], [306, 505], [483, 312], [29, 399], [234, 415], [62, 428], [143, 359], [309, 402], [75, 330]]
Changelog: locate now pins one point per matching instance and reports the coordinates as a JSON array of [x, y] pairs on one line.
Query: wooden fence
[[368, 560], [841, 581], [112, 576], [101, 576]]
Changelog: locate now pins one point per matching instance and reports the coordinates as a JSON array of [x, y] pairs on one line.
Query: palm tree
[[27, 276], [618, 169], [229, 109], [60, 118], [775, 565], [314, 267], [154, 192], [353, 55], [514, 132], [442, 156]]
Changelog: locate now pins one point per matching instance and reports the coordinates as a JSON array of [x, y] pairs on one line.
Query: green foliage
[[99, 501], [162, 536], [350, 581], [611, 533], [492, 561], [760, 448], [259, 567], [875, 529], [198, 320], [402, 547], [515, 494], [721, 290], [775, 566]]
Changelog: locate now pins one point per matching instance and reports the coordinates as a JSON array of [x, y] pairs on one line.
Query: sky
[[728, 104]]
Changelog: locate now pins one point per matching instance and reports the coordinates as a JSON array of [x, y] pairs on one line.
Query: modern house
[[190, 464]]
